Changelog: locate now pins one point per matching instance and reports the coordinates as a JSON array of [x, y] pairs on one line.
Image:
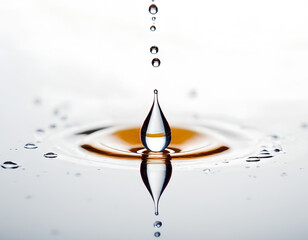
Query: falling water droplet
[[154, 49], [9, 165], [50, 155], [156, 62], [156, 176], [158, 224], [30, 146], [157, 234], [155, 131], [153, 18], [153, 9], [152, 28]]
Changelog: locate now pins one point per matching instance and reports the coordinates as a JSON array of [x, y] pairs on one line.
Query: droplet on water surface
[[50, 155], [9, 165], [152, 28], [30, 146], [156, 62], [153, 9], [155, 131], [158, 224], [154, 49]]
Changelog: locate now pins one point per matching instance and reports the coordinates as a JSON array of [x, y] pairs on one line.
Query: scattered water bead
[[152, 28], [206, 171], [50, 155], [153, 18], [9, 165], [156, 62], [153, 9], [30, 146], [154, 49], [283, 174], [155, 132], [157, 234], [158, 224], [253, 159]]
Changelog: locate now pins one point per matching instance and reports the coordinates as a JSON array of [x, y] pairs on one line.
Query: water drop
[[30, 146], [152, 28], [155, 131], [156, 62], [50, 155], [9, 165], [206, 171], [153, 18], [283, 174], [157, 224], [52, 126], [156, 175], [154, 49], [153, 9], [40, 130], [157, 234], [304, 125]]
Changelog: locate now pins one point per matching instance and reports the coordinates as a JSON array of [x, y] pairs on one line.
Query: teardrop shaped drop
[[153, 9], [155, 131], [156, 175]]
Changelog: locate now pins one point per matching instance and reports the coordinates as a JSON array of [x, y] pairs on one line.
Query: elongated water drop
[[156, 174], [155, 131]]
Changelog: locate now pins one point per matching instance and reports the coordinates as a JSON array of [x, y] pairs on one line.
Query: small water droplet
[[156, 62], [28, 197], [304, 125], [50, 155], [30, 146], [155, 131], [9, 165], [275, 136], [283, 174], [247, 167], [153, 9], [277, 150], [38, 101], [40, 130], [152, 28], [206, 171], [158, 224], [157, 234], [52, 126], [153, 18], [253, 159], [225, 161], [154, 49], [77, 174]]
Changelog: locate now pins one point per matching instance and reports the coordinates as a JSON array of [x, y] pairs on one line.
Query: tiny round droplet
[[9, 165], [153, 18], [158, 224], [30, 146], [157, 234], [153, 9], [50, 155], [154, 49], [206, 171], [152, 28], [155, 62]]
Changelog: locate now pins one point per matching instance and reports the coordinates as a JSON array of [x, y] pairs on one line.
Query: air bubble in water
[[156, 62], [155, 131], [30, 146], [50, 155], [158, 224], [153, 9], [152, 28], [157, 234], [9, 165], [154, 49]]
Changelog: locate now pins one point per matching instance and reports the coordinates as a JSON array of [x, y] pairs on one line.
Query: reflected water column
[[156, 170]]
